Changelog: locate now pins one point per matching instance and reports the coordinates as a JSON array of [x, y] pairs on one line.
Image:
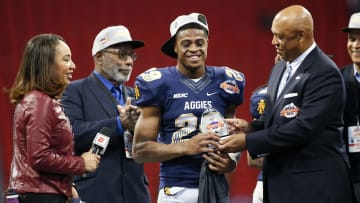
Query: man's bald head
[[296, 17], [293, 31]]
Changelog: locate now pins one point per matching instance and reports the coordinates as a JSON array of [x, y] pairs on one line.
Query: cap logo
[[114, 35], [103, 40], [202, 19]]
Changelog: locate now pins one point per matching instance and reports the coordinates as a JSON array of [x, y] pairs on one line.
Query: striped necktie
[[285, 78]]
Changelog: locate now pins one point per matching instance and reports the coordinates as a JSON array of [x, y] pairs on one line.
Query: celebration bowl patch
[[289, 111], [230, 87], [214, 126]]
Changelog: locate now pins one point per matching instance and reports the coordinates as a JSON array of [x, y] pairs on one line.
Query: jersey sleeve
[[232, 84], [148, 87]]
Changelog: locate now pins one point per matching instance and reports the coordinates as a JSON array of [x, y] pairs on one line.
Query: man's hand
[[129, 114], [232, 143], [236, 125]]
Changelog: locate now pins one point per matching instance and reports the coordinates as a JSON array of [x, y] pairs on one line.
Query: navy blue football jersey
[[182, 102]]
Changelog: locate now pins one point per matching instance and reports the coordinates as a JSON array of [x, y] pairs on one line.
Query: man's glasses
[[123, 55]]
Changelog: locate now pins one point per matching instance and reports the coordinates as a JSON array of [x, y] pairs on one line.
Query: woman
[[43, 161]]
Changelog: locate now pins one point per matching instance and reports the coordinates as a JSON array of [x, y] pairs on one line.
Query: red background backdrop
[[240, 37]]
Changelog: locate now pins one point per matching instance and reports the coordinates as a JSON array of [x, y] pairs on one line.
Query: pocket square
[[294, 94]]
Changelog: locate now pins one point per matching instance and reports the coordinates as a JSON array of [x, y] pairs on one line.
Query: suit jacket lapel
[[102, 97], [272, 89], [275, 80]]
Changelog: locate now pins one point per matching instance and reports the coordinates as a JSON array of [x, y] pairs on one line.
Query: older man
[[305, 160], [102, 100]]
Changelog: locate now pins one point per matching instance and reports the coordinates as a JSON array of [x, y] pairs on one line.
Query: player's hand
[[219, 162], [201, 143]]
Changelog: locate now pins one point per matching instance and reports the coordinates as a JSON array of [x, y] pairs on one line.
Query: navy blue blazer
[[117, 179], [305, 159]]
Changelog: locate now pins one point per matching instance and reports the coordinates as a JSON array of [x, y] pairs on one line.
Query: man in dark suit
[[305, 159], [102, 100], [351, 75]]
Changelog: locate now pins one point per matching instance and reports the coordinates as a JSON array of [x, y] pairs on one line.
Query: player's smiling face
[[191, 47]]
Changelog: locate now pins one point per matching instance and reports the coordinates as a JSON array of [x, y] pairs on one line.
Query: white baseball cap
[[114, 35], [196, 19], [354, 23]]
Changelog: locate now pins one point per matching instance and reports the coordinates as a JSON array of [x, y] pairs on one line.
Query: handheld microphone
[[101, 141], [98, 147]]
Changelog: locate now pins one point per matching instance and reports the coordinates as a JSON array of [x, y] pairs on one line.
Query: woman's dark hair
[[36, 71]]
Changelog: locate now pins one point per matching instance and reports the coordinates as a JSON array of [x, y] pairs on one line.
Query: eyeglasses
[[123, 55]]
